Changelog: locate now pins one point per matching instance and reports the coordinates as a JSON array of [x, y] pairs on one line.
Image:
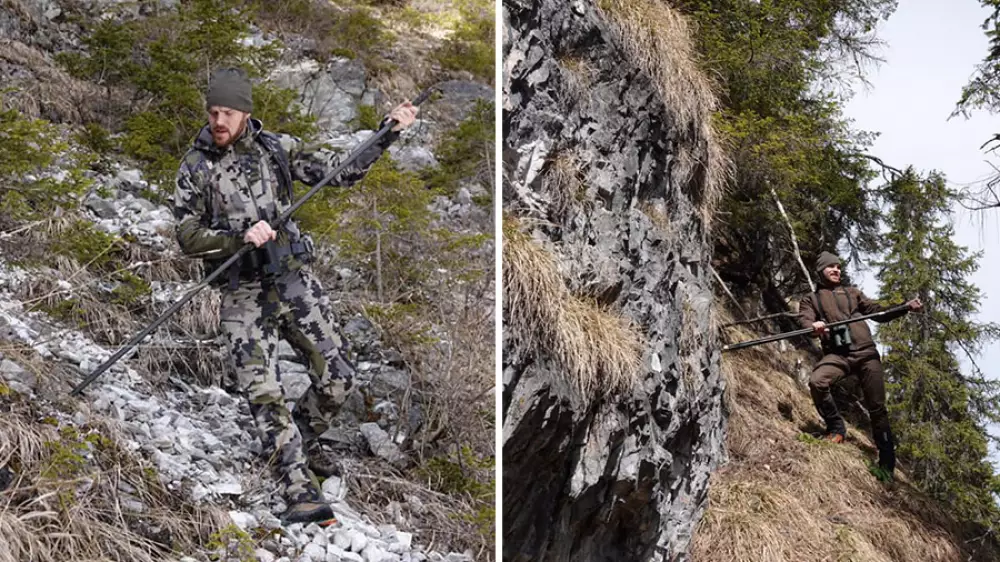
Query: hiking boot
[[324, 463], [837, 438], [309, 512], [886, 444], [324, 466]]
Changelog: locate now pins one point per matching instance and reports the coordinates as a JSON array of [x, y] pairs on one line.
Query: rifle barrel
[[806, 331]]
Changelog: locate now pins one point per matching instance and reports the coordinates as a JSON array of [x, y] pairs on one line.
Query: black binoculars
[[840, 336]]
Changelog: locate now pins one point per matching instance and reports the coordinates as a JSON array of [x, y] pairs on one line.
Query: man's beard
[[232, 136]]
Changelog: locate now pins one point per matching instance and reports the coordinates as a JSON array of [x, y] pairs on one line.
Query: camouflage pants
[[254, 317]]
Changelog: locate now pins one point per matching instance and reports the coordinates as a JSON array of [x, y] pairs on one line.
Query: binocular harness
[[267, 262]]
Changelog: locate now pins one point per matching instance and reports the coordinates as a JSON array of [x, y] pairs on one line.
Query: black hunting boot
[[827, 408], [886, 445]]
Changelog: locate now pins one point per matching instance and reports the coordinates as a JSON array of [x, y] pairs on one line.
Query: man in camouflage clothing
[[234, 180]]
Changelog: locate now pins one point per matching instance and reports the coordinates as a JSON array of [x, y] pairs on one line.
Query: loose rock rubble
[[204, 446], [202, 439]]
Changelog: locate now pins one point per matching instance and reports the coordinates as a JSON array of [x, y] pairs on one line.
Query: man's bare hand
[[915, 305], [259, 234], [820, 329], [405, 114]]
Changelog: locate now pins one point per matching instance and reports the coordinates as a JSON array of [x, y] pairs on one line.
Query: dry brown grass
[[66, 502], [788, 498], [564, 183], [579, 74], [52, 93], [436, 519], [657, 38], [692, 339], [453, 382], [598, 350], [190, 351]]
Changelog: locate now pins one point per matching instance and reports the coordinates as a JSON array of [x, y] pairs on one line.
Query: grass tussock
[[787, 497], [691, 340], [578, 73], [657, 38], [74, 493], [53, 90], [564, 183], [598, 350]]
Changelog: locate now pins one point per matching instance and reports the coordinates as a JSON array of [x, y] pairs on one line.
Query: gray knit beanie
[[825, 260], [230, 87]]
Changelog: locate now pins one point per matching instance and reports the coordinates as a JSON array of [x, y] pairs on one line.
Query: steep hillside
[[160, 459], [786, 496]]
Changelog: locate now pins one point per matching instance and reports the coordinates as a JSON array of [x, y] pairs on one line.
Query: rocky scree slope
[[198, 438], [612, 403], [201, 439]]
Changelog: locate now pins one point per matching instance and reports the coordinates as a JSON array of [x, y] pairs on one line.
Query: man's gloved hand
[[260, 234], [405, 113]]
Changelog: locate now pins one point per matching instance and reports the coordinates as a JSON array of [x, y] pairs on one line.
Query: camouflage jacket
[[221, 193]]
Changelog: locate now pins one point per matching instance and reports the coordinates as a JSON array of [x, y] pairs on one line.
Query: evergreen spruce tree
[[939, 413]]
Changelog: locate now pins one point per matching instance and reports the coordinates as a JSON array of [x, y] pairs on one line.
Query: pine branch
[[961, 343], [889, 173], [986, 198]]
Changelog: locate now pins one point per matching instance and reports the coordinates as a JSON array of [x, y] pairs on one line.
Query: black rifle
[[246, 248], [807, 331]]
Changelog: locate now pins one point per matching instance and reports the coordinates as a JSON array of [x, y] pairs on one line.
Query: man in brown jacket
[[848, 350]]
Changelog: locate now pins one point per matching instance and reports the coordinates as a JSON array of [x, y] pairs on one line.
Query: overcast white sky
[[931, 51]]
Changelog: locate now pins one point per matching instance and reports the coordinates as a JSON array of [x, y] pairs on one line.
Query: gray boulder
[[381, 444], [101, 207], [332, 93]]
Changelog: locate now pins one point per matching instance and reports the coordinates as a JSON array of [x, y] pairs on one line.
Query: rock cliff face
[[611, 171]]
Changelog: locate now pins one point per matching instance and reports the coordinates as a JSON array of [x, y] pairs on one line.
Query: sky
[[932, 48]]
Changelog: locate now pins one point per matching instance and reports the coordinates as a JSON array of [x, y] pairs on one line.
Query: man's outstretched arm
[[867, 306], [311, 166]]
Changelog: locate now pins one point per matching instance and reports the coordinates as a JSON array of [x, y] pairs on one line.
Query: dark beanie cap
[[825, 260], [230, 87]]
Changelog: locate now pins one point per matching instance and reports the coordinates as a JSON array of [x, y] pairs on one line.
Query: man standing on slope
[[848, 350], [235, 179]]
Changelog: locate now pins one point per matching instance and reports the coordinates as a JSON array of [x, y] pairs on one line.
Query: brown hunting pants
[[867, 365]]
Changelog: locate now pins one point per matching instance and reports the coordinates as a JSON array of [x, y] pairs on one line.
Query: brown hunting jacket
[[840, 303]]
